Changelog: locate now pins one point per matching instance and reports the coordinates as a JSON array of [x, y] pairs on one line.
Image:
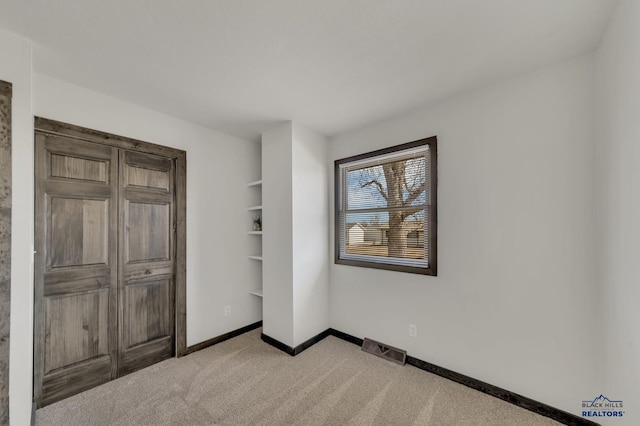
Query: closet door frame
[[6, 90], [55, 128]]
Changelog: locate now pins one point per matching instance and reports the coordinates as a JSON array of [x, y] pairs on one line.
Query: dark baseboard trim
[[503, 394], [301, 347], [344, 336], [310, 342], [222, 338], [278, 344]]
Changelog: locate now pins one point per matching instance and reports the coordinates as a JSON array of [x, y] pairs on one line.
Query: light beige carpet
[[244, 381]]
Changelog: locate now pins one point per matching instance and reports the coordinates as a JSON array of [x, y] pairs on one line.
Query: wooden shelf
[[256, 292], [258, 212]]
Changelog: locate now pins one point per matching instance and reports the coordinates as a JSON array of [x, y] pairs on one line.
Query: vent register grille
[[384, 351]]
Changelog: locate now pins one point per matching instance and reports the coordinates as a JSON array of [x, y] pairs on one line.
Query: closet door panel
[[76, 266], [148, 235], [78, 232], [147, 257], [86, 311], [148, 319]]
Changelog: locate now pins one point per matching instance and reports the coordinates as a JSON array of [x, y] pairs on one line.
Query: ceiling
[[243, 66]]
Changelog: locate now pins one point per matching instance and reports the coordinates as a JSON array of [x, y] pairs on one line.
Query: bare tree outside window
[[401, 184]]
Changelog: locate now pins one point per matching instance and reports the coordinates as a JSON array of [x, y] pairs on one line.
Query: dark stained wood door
[[76, 271], [105, 264], [146, 308]]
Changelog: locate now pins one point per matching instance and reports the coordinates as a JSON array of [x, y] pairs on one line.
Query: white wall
[[218, 270], [277, 244], [219, 166], [514, 303], [310, 234], [618, 154], [295, 247], [15, 67]]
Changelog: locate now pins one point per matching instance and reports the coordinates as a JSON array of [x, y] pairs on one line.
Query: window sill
[[388, 267]]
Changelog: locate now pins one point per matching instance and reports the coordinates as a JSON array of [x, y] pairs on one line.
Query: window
[[386, 215]]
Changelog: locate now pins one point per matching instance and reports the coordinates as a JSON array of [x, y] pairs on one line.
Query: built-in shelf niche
[[258, 209]]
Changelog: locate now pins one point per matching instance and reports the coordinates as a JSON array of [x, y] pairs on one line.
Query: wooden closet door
[[146, 266], [76, 272]]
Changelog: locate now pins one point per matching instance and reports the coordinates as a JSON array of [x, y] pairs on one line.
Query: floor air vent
[[383, 351]]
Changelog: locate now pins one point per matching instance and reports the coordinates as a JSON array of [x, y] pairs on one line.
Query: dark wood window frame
[[44, 125], [432, 210]]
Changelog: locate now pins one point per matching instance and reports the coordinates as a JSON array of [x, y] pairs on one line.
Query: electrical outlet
[[413, 330], [227, 311]]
